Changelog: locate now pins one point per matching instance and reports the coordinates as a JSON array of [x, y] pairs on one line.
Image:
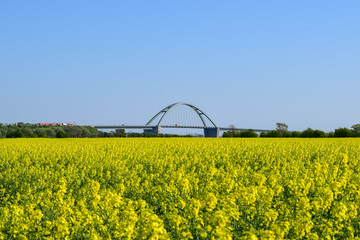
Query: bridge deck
[[123, 127], [167, 126]]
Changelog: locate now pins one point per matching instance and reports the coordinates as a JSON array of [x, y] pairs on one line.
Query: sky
[[247, 63]]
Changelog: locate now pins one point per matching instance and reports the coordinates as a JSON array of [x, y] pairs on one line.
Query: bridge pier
[[212, 132], [155, 130]]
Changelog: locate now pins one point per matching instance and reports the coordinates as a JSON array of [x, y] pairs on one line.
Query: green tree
[[20, 124], [60, 133], [248, 134], [308, 133], [263, 134], [2, 132], [94, 132], [50, 132], [40, 132], [295, 134], [28, 133], [343, 132], [120, 133], [231, 134], [232, 130], [134, 134], [226, 134], [356, 129], [15, 133], [274, 134], [73, 131], [286, 134], [85, 132], [330, 134], [281, 127], [319, 134]]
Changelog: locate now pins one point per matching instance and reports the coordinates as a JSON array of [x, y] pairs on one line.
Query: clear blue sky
[[247, 63]]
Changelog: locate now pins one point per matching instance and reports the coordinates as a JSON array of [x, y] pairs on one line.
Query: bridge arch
[[166, 110]]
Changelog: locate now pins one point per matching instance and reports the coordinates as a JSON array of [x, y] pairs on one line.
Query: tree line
[[26, 130], [282, 131], [20, 130]]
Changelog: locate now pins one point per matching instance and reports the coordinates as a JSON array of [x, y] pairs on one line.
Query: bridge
[[156, 123]]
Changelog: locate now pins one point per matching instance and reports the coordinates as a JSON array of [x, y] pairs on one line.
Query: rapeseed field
[[179, 188]]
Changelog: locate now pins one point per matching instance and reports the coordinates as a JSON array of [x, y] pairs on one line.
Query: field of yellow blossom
[[179, 188]]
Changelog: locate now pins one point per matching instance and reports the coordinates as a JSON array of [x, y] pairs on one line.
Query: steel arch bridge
[[210, 130]]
